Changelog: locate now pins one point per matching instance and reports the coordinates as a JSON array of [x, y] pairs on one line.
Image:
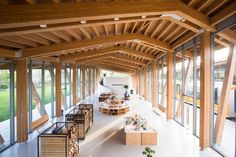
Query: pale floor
[[106, 138]]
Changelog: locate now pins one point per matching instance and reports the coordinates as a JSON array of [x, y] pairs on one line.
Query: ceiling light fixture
[[116, 18], [177, 17], [43, 25], [143, 16], [182, 20], [83, 22]]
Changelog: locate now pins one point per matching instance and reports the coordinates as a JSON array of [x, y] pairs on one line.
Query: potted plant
[[148, 152]]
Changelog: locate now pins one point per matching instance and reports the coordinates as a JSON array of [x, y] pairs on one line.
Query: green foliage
[[126, 86], [148, 152], [4, 79]]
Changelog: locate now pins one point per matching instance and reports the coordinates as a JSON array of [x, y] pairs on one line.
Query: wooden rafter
[[13, 16], [55, 49]]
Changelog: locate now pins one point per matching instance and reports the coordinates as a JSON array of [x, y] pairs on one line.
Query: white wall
[[116, 84]]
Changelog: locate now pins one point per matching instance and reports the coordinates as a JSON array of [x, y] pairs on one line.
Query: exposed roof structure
[[131, 33]]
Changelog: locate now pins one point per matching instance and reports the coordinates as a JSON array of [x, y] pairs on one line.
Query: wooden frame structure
[[119, 37]]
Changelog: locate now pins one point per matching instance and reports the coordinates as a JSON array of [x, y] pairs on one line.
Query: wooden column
[[169, 104], [205, 92], [93, 79], [146, 82], [58, 89], [89, 80], [141, 84], [97, 77], [154, 84], [22, 100], [74, 84], [225, 95], [136, 86], [83, 80]]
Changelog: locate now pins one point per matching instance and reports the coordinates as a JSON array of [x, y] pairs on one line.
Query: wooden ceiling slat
[[12, 16], [22, 41], [50, 37], [85, 32], [11, 44], [61, 35], [74, 34], [216, 5], [35, 38]]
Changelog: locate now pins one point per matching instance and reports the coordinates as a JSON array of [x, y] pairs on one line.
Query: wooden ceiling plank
[[35, 38], [106, 30], [19, 40], [50, 37], [165, 31], [216, 5], [61, 35], [223, 14], [74, 34], [206, 4], [96, 31], [11, 44], [172, 33], [85, 32], [178, 35], [184, 39], [192, 3]]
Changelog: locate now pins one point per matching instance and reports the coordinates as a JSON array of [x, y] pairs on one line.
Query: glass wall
[[224, 130], [162, 83], [7, 107], [41, 90]]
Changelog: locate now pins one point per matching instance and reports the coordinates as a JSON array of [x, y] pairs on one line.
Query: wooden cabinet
[[59, 140], [82, 115]]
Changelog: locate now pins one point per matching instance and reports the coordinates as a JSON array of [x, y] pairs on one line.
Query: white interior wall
[[116, 84]]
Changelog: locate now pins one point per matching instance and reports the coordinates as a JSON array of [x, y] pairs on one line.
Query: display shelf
[[82, 115], [59, 140]]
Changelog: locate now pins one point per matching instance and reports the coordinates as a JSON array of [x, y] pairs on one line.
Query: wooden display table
[[138, 132], [114, 110], [137, 138]]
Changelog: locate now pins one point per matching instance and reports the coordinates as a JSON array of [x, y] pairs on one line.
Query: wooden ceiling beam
[[229, 35], [114, 69], [12, 16], [75, 45], [7, 53], [94, 24], [127, 59], [183, 39], [116, 66], [87, 54], [224, 13]]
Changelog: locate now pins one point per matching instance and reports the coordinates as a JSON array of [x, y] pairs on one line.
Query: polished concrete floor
[[106, 137]]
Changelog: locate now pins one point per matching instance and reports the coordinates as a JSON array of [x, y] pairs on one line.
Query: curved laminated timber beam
[[106, 51], [12, 16], [75, 45]]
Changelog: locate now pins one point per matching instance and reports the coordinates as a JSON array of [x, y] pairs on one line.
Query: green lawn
[[5, 101]]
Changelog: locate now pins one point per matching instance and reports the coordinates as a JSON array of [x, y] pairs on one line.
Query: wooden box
[[133, 139], [62, 143]]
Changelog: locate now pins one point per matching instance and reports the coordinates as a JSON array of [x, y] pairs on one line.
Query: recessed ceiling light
[[83, 22], [43, 26], [116, 18], [182, 20], [143, 16]]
